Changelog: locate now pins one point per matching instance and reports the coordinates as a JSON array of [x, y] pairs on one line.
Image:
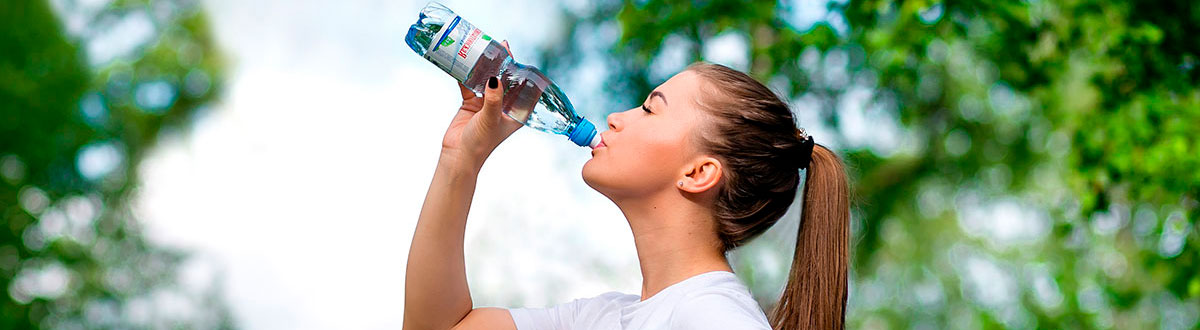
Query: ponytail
[[753, 127], [815, 294]]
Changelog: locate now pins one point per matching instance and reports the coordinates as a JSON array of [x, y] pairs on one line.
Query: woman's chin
[[591, 175], [587, 170]]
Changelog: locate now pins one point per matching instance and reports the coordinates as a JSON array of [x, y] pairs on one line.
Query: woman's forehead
[[681, 87]]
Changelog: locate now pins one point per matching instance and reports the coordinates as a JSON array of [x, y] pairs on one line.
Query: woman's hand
[[478, 127]]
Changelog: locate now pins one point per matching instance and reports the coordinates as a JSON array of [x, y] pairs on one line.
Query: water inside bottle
[[530, 97]]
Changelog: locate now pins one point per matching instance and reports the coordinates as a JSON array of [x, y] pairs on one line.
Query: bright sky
[[301, 189]]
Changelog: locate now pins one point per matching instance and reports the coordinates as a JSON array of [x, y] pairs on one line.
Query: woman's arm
[[435, 288]]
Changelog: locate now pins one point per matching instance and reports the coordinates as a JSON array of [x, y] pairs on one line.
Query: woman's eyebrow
[[660, 95]]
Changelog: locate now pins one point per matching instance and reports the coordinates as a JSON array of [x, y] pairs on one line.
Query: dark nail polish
[[492, 82]]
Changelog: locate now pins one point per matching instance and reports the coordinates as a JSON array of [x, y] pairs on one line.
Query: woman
[[711, 159]]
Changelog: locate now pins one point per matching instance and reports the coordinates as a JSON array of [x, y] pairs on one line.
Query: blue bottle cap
[[583, 133]]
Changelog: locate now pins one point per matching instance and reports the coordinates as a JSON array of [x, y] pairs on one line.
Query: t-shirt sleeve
[[563, 316], [557, 317], [717, 311]]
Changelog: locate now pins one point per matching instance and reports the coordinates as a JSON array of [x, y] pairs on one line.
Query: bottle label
[[457, 47]]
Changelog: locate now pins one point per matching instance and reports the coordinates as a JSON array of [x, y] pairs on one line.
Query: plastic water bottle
[[469, 55]]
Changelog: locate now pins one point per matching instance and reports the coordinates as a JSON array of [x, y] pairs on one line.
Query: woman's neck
[[674, 241]]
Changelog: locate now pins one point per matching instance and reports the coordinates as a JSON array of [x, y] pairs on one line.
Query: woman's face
[[647, 148]]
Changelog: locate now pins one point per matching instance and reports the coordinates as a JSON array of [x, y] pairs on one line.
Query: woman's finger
[[492, 97], [467, 94]]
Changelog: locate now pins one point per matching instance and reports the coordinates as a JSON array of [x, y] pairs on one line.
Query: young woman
[[710, 160]]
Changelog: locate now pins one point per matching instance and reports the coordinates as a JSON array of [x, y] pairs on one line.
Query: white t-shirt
[[713, 300]]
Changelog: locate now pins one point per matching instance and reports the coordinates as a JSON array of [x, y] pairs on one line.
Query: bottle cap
[[595, 141], [584, 134]]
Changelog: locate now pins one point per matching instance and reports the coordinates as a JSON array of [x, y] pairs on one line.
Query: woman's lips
[[599, 145], [602, 143]]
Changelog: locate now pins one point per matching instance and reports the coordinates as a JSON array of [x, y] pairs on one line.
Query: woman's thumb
[[492, 96]]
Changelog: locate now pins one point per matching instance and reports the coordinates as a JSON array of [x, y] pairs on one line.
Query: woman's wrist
[[459, 162]]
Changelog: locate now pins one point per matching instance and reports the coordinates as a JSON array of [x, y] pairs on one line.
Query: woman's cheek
[[663, 153]]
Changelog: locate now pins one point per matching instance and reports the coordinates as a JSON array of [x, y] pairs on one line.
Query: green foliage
[[71, 252], [1072, 121]]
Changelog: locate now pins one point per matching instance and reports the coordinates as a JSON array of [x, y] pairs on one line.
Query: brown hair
[[755, 135]]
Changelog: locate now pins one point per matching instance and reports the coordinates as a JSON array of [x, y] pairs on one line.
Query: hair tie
[[806, 148]]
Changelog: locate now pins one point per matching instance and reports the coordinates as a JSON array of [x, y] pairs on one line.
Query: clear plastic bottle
[[469, 55]]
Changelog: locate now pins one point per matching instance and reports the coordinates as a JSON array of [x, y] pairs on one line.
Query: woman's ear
[[701, 175]]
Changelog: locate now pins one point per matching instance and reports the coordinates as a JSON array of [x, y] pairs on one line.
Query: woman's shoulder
[[725, 303], [607, 299], [618, 298], [718, 310], [718, 285]]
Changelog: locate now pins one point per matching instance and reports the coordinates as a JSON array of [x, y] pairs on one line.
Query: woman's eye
[[644, 108]]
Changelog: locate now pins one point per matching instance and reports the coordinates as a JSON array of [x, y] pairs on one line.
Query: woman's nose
[[613, 121]]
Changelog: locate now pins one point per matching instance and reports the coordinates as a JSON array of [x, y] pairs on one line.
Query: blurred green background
[[71, 252], [1016, 164]]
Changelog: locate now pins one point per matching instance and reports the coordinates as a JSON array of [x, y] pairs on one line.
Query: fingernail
[[492, 82]]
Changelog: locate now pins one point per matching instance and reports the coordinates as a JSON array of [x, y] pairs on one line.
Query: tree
[[1042, 170], [75, 125]]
